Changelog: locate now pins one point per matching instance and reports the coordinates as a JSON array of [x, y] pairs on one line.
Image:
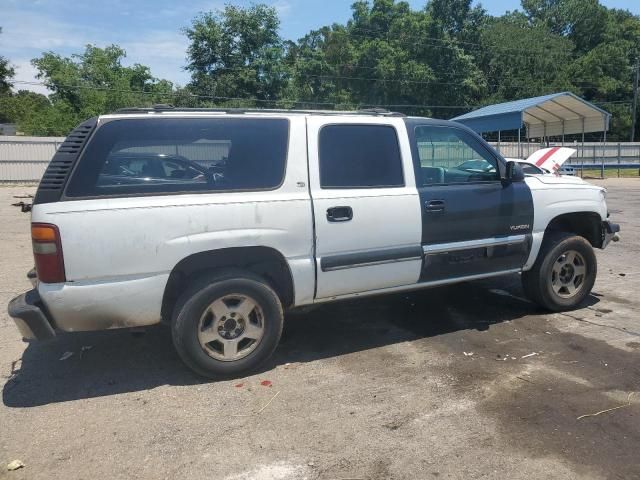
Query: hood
[[550, 159], [560, 180]]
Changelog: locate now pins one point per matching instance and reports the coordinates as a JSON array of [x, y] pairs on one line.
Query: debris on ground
[[468, 354], [239, 385], [66, 355], [266, 383], [261, 410], [85, 348], [15, 465], [628, 404], [24, 207], [529, 355]]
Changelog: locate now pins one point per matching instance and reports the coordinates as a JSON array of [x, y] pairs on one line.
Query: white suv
[[215, 222]]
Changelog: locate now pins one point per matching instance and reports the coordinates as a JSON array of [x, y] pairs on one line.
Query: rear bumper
[[609, 233], [30, 316]]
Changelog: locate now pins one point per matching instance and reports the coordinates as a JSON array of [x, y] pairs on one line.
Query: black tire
[[191, 306], [538, 283]]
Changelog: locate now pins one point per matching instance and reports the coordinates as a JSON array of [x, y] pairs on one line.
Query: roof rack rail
[[164, 107]]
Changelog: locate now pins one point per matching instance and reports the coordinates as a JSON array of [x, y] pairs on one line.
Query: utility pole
[[635, 98]]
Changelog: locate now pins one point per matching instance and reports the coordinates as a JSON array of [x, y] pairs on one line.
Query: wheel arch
[[587, 224], [266, 262]]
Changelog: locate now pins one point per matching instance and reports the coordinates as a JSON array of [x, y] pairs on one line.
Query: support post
[[499, 142], [604, 148], [619, 155], [582, 137], [519, 149], [635, 99]]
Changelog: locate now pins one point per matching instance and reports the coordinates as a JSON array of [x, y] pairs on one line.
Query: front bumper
[[29, 313], [609, 232]]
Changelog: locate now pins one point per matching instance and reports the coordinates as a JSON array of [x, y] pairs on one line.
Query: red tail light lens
[[47, 252]]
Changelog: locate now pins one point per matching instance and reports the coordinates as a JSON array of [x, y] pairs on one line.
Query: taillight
[[47, 252]]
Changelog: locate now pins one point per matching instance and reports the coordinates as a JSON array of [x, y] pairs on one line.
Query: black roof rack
[[164, 107]]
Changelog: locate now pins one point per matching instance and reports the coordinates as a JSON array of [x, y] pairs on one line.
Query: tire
[[212, 315], [563, 274]]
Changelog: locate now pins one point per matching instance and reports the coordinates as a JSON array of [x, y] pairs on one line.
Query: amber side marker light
[[47, 252]]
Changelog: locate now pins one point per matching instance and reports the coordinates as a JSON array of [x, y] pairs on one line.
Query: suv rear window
[[171, 155]]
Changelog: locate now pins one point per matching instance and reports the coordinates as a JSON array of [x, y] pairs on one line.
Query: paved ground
[[469, 381]]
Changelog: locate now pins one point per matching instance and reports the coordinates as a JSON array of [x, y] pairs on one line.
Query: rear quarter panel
[[125, 248]]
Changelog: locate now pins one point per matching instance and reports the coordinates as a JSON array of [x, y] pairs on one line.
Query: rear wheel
[[228, 325], [563, 274]]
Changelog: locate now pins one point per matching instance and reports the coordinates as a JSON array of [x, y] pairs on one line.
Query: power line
[[397, 79], [385, 35], [216, 97], [268, 101], [497, 77]]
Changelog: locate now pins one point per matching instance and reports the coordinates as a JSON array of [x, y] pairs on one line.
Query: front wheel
[[563, 274], [228, 325]]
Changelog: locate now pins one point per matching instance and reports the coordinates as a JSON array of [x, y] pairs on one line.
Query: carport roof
[[548, 115]]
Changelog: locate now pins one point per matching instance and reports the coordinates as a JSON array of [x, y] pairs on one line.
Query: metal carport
[[557, 114]]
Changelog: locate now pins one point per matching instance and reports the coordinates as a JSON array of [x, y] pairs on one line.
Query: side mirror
[[513, 173]]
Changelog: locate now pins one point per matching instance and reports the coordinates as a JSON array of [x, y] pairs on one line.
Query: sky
[[150, 30]]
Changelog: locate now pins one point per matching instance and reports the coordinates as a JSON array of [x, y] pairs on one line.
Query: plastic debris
[[266, 383], [85, 348], [15, 465], [239, 385], [66, 355], [468, 354], [529, 355], [628, 404]]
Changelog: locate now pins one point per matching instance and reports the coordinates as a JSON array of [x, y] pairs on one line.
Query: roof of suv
[[164, 108]]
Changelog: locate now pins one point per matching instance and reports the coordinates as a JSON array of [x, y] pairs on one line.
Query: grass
[[610, 173]]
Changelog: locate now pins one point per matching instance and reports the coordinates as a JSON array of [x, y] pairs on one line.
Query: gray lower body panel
[[30, 316]]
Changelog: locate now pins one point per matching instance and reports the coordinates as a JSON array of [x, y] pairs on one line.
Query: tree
[[386, 54], [522, 60], [6, 74], [582, 21], [237, 53], [26, 109], [93, 83]]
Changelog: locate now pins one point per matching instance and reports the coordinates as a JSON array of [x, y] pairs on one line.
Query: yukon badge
[[515, 228]]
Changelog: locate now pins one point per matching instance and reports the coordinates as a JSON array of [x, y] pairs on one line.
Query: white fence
[[591, 152], [24, 159]]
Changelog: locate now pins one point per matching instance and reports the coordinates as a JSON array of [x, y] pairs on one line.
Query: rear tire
[[563, 274], [228, 325]]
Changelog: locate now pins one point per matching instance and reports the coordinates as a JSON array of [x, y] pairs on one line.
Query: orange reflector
[[43, 234]]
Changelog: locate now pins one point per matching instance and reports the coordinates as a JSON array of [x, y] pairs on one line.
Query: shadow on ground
[[119, 362]]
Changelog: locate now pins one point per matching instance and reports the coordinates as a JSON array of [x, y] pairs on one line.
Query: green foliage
[[520, 60], [92, 83], [237, 53], [6, 74]]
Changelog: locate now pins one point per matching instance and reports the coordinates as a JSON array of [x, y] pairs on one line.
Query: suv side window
[[450, 155], [359, 156], [170, 155]]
